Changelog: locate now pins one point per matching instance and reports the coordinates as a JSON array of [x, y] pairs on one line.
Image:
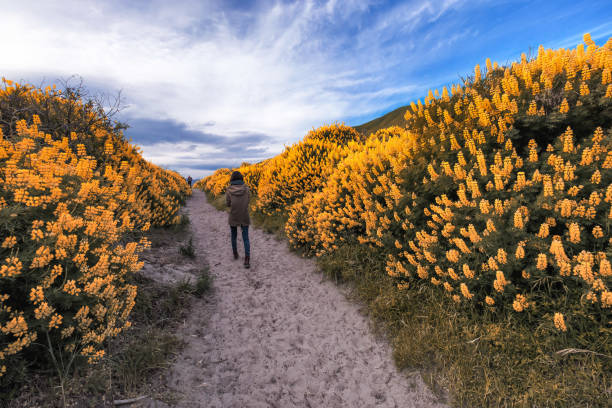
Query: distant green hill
[[393, 118]]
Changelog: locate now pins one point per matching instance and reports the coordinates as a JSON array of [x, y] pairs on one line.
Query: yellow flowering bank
[[498, 192], [517, 209], [363, 186], [74, 197], [286, 178], [301, 168], [218, 181]]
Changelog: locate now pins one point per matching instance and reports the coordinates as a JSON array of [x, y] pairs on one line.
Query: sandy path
[[279, 335]]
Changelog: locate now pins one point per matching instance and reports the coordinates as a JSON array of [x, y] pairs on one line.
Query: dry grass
[[469, 358]]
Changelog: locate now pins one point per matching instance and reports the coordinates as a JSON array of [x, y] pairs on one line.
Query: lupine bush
[[75, 197], [252, 174], [337, 213], [219, 180], [498, 192], [301, 168], [285, 179], [216, 183], [505, 202]]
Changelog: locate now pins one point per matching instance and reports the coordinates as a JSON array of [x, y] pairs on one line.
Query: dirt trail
[[279, 334]]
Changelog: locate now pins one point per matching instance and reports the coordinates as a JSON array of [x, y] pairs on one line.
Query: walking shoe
[[247, 261], [235, 254]]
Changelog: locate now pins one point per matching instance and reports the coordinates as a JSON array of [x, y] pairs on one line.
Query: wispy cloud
[[256, 75]]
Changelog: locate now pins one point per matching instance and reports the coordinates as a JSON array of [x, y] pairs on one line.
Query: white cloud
[[237, 81], [277, 70]]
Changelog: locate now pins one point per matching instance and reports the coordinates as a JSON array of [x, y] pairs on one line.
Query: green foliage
[[393, 118], [203, 283], [217, 201], [188, 250]]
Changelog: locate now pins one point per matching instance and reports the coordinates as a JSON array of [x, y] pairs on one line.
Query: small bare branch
[[129, 401], [569, 351]]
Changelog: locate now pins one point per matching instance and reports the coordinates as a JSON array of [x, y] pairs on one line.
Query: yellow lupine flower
[[548, 188], [574, 233], [500, 282], [467, 271], [533, 109], [422, 272], [598, 232], [71, 288], [584, 89], [596, 177], [604, 267], [43, 310], [606, 76], [36, 295], [520, 180], [544, 230], [520, 303], [67, 332], [12, 267], [568, 140], [542, 262], [452, 274], [606, 299], [9, 242], [520, 252], [465, 291], [492, 263], [55, 321], [518, 220], [37, 235], [452, 255], [559, 322]]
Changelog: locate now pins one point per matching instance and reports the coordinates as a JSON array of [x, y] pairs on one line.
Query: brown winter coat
[[237, 199]]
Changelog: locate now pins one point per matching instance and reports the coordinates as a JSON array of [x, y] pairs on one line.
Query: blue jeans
[[245, 239]]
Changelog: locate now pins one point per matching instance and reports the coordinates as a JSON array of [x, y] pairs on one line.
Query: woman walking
[[237, 197]]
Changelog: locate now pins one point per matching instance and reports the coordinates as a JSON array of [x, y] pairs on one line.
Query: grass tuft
[[203, 283], [271, 224], [188, 250], [217, 201]]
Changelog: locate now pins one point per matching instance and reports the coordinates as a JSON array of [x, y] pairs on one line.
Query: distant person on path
[[237, 197], [189, 179]]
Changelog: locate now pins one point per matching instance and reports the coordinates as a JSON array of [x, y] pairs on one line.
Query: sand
[[279, 334]]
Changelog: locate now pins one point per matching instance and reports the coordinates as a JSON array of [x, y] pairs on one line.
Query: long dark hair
[[236, 176]]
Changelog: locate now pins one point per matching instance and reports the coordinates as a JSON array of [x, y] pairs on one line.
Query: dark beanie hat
[[236, 176]]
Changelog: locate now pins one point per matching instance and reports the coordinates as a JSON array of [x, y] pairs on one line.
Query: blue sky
[[210, 84]]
